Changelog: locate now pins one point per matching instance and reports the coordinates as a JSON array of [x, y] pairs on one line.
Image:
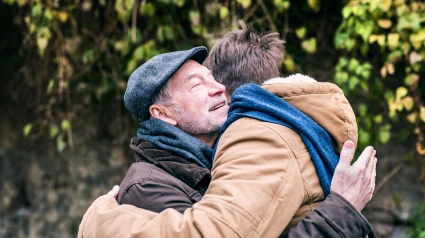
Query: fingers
[[347, 153], [365, 157], [370, 163], [114, 191]]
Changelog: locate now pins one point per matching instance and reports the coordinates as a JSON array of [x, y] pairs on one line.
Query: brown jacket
[[160, 180], [247, 196], [326, 104]]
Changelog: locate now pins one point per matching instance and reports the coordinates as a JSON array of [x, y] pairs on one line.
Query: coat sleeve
[[156, 197], [335, 217]]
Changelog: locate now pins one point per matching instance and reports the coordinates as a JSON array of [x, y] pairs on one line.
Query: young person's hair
[[245, 56]]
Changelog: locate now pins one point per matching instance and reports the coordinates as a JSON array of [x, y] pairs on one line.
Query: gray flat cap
[[147, 80]]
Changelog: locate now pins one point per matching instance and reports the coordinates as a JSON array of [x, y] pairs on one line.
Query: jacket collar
[[190, 173]]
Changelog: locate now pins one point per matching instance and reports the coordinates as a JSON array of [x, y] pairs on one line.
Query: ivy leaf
[[36, 10], [27, 129], [223, 12], [422, 114], [244, 3], [393, 39], [385, 23], [65, 125], [289, 64], [411, 79], [54, 130], [309, 45], [62, 16], [400, 92], [60, 144], [384, 134], [50, 86], [314, 5], [147, 9], [300, 32], [408, 103], [385, 5]]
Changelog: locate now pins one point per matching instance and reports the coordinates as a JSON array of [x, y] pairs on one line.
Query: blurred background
[[64, 130]]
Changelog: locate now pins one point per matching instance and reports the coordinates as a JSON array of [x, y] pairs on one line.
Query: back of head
[[245, 56]]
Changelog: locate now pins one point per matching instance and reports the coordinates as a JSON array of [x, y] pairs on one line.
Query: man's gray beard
[[204, 126]]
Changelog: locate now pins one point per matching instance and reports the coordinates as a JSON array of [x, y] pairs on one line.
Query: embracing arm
[[223, 214]]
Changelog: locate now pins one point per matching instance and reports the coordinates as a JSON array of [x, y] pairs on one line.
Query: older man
[[245, 197]]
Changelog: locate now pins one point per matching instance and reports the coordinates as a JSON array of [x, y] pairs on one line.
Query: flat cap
[[147, 80]]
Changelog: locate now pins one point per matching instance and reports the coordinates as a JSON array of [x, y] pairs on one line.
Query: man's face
[[201, 106]]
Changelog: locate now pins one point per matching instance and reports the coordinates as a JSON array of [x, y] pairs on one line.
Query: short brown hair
[[245, 56]]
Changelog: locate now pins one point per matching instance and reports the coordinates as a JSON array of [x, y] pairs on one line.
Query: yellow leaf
[[400, 92], [62, 16], [412, 117], [385, 5], [415, 58], [245, 3], [422, 114], [289, 64], [398, 2], [408, 103], [381, 40], [300, 32], [393, 39], [309, 45], [390, 69], [385, 23], [224, 12], [314, 4], [372, 38], [384, 71]]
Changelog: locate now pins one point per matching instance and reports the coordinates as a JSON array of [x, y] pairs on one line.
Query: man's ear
[[163, 113]]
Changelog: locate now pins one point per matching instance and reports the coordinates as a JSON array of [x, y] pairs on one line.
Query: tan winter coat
[[261, 178]]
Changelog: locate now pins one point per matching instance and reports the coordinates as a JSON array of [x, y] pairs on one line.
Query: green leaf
[[54, 130], [179, 3], [36, 10], [393, 39], [27, 129], [139, 53], [346, 11], [384, 134], [60, 144], [300, 32], [353, 64], [362, 110], [50, 86], [378, 119], [244, 3], [88, 56], [314, 4], [309, 45], [223, 12], [147, 9], [353, 82], [65, 125]]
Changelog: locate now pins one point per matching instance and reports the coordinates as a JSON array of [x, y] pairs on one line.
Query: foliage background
[[65, 63]]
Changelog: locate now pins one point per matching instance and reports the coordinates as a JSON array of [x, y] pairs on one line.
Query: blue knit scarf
[[255, 102], [171, 138]]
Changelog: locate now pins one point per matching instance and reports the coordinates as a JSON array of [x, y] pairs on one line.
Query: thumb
[[347, 153]]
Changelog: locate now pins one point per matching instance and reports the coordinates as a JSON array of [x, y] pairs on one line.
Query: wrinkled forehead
[[188, 69]]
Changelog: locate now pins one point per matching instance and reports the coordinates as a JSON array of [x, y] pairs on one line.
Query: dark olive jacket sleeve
[[157, 197], [335, 217]]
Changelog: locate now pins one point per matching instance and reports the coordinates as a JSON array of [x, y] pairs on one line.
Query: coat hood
[[325, 103]]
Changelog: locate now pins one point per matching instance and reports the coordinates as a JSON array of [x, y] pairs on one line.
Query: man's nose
[[216, 88]]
